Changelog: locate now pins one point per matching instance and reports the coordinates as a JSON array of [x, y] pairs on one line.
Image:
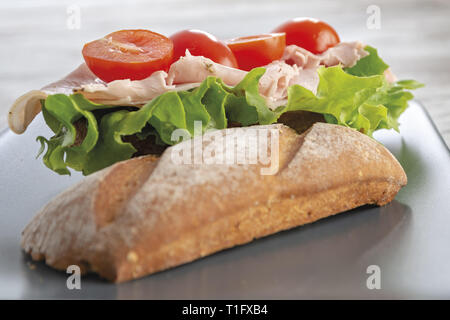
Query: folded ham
[[345, 53], [298, 66]]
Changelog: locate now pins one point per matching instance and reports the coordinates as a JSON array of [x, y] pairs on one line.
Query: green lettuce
[[89, 136], [370, 65], [363, 103]]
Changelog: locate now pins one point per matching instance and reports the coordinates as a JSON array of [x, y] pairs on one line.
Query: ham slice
[[190, 69], [279, 76], [344, 53], [298, 66], [82, 80], [27, 106], [273, 84], [390, 76], [131, 93], [80, 76]]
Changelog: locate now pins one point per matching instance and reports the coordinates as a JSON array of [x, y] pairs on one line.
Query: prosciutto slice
[[298, 66]]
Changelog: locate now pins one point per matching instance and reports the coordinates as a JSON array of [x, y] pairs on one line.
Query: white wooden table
[[41, 40]]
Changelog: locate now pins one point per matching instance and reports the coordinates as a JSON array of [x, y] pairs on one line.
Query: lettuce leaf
[[89, 136], [363, 103], [370, 65]]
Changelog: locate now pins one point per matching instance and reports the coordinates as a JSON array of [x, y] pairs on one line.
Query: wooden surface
[[38, 47]]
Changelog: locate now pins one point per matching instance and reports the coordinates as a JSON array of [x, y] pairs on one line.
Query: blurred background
[[41, 41]]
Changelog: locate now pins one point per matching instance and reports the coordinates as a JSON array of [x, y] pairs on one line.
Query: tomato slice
[[311, 34], [257, 51], [201, 43], [128, 54]]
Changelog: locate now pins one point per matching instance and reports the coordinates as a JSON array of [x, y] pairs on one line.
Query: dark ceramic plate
[[409, 239]]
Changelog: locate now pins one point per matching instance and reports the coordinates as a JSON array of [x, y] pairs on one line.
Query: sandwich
[[192, 145]]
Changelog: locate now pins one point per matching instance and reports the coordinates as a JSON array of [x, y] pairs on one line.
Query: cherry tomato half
[[128, 54], [311, 34], [200, 43], [257, 51]]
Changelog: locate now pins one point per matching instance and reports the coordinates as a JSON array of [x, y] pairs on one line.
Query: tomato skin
[[200, 43], [311, 34], [128, 54], [257, 51]]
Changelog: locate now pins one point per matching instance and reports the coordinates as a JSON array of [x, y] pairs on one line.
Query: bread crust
[[149, 214]]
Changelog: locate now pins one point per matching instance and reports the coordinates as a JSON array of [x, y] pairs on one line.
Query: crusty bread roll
[[148, 214]]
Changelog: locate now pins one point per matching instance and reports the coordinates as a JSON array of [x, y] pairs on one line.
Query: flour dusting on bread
[[180, 212]]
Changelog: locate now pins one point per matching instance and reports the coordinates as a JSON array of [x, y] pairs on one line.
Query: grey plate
[[408, 239]]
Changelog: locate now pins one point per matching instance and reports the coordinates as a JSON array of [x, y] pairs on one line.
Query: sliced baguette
[[148, 214]]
